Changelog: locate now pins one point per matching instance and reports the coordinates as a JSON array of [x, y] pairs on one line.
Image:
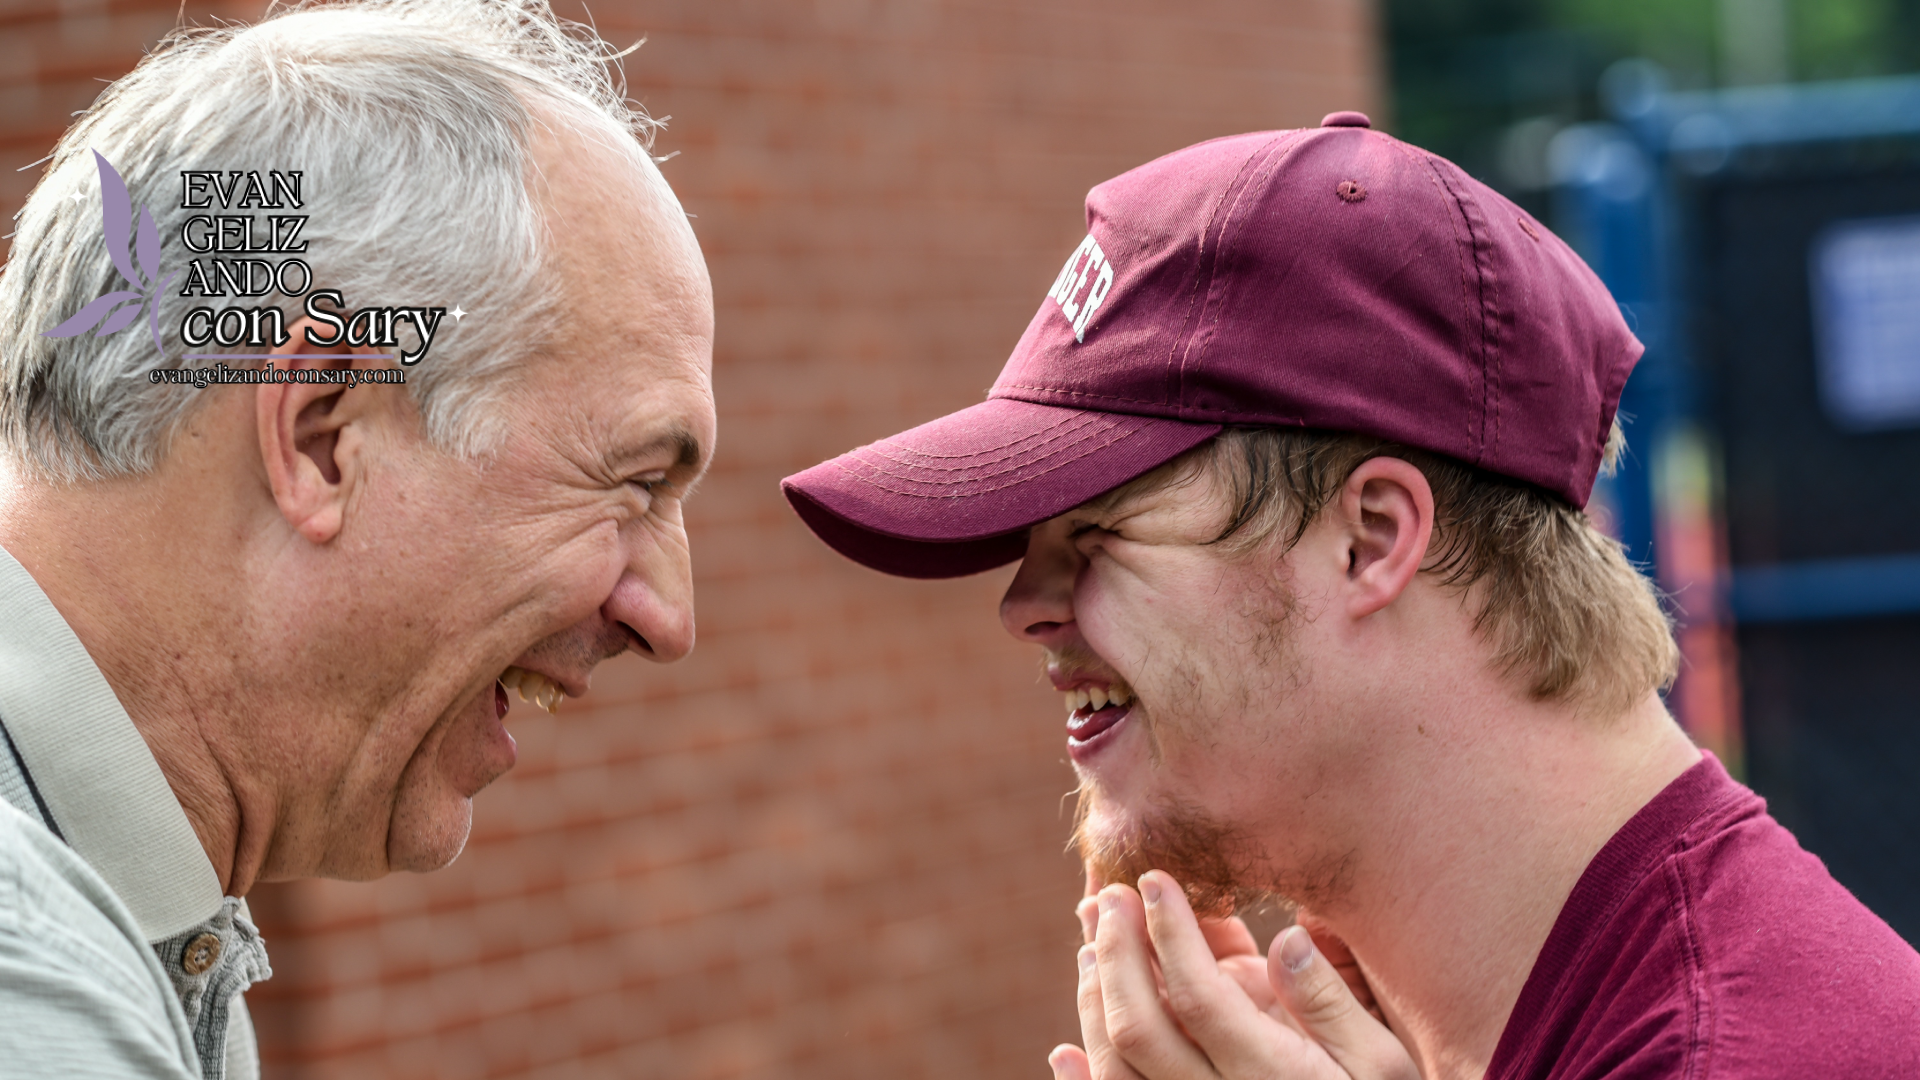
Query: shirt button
[[202, 952]]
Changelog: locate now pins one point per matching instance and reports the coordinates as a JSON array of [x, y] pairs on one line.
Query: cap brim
[[956, 496]]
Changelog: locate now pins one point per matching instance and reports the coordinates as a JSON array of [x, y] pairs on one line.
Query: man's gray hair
[[411, 121]]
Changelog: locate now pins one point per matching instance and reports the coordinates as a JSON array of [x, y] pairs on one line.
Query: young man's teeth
[[533, 688], [1096, 697]]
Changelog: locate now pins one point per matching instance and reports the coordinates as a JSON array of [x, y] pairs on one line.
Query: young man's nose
[[1038, 606]]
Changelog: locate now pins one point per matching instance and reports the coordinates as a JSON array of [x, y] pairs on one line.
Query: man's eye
[[1083, 529]]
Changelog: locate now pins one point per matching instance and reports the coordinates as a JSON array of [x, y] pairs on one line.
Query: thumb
[[1320, 1000]]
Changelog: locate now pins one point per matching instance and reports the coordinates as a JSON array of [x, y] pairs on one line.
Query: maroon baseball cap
[[1330, 278]]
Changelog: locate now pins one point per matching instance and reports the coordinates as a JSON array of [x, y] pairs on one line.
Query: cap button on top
[[1346, 119]]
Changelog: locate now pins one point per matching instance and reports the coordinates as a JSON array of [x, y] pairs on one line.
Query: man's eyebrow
[[687, 452]]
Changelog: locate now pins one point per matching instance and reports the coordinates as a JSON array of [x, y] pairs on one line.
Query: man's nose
[[1038, 606], [654, 601]]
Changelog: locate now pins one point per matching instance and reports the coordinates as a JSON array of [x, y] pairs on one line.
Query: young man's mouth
[[1093, 712]]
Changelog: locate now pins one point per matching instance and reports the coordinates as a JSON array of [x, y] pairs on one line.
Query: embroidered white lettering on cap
[[1087, 261]]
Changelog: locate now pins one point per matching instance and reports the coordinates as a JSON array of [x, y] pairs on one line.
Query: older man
[[265, 631], [1293, 457]]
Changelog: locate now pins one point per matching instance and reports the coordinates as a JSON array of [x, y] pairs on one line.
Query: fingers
[[1321, 1002], [1137, 1026], [1069, 1062], [1229, 937], [1231, 1030], [1103, 1060], [1088, 910], [1341, 957]]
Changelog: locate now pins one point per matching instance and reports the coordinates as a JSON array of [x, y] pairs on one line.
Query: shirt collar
[[99, 779]]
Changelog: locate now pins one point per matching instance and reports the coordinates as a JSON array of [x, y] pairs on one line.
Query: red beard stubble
[[1204, 856], [1222, 866]]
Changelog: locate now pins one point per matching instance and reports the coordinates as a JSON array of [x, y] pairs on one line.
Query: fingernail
[[1107, 902], [1087, 959], [1084, 909], [1296, 950], [1150, 891]]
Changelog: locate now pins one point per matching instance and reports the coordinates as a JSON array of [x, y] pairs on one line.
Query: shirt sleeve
[[81, 994]]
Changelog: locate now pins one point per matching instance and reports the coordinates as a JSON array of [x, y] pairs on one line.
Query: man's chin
[[1207, 858], [427, 838], [1223, 868], [433, 813]]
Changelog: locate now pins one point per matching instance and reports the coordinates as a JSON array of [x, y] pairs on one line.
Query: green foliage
[[1677, 34], [1838, 39], [1464, 72]]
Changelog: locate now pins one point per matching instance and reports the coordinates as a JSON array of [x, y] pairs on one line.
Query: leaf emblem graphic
[[116, 218], [83, 320], [117, 310], [146, 244]]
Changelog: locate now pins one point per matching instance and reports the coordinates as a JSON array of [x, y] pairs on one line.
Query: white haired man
[[264, 628], [1292, 458]]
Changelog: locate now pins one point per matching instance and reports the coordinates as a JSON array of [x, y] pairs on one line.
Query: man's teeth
[[533, 688], [1097, 697]]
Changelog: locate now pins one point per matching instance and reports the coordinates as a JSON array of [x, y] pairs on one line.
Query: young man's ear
[[1386, 511], [312, 438]]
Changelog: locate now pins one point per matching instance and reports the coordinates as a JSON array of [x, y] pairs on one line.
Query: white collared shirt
[[118, 954]]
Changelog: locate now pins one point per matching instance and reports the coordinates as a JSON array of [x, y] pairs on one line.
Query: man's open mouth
[[533, 688], [1094, 709]]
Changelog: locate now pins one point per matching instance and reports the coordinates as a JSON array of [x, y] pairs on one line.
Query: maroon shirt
[[1702, 942]]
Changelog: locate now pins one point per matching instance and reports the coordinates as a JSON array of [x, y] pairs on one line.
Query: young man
[[1294, 455]]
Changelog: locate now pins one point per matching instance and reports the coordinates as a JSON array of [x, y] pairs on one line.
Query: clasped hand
[[1165, 996]]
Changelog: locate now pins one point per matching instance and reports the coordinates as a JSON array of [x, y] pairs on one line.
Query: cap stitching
[[1290, 419], [1481, 247], [1466, 298], [1081, 393], [1221, 251], [909, 473], [909, 464], [1175, 362], [893, 441], [1090, 449]]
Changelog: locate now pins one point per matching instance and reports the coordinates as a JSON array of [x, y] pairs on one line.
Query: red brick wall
[[829, 843]]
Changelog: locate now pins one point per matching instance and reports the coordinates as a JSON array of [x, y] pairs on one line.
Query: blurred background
[[830, 843]]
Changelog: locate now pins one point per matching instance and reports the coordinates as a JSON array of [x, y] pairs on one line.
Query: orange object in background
[[1691, 545]]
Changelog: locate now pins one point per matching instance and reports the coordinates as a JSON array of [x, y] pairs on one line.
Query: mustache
[[1079, 658]]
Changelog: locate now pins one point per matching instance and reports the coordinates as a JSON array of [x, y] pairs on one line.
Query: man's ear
[[312, 440], [1386, 513]]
